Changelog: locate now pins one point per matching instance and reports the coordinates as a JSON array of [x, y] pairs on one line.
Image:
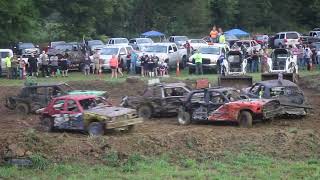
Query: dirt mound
[[281, 138]]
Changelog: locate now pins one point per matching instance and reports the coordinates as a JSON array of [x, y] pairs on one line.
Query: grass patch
[[242, 166], [77, 76]]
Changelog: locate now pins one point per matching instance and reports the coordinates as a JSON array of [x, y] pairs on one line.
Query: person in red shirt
[[114, 66], [188, 47]]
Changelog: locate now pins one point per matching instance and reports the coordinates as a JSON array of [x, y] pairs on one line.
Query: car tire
[[145, 112], [47, 124], [96, 129], [184, 118], [245, 119], [183, 63], [22, 108], [191, 70]]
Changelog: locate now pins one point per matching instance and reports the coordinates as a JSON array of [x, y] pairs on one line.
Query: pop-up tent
[[237, 32], [153, 34]]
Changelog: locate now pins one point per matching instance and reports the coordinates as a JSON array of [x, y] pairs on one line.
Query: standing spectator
[[307, 57], [188, 47], [54, 65], [8, 67], [87, 63], [151, 66], [33, 65], [265, 40], [213, 34], [145, 65], [198, 61], [300, 58], [128, 61], [264, 61], [120, 65], [44, 60], [97, 62], [163, 68], [133, 61], [114, 66], [64, 66], [14, 67], [254, 62], [143, 61], [22, 67]]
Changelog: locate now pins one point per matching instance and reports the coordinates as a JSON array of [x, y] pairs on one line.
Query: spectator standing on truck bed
[[214, 34], [33, 65], [198, 61], [44, 59]]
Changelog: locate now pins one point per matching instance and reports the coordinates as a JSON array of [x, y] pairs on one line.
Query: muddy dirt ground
[[281, 138]]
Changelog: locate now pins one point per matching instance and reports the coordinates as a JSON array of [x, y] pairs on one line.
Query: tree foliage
[[47, 20]]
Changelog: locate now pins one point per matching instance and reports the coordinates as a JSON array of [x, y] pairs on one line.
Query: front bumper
[[119, 123], [204, 66]]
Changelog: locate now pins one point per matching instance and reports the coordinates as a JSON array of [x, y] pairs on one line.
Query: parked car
[[118, 41], [92, 43], [197, 43], [119, 50], [3, 54], [210, 55], [315, 33], [225, 104], [135, 42], [178, 40], [86, 113], [26, 49], [284, 39], [34, 97], [168, 52], [158, 99], [289, 95], [261, 39]]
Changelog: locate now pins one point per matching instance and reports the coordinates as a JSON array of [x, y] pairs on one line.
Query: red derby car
[[226, 104]]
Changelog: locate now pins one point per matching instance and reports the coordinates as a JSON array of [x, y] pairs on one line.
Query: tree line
[[70, 20]]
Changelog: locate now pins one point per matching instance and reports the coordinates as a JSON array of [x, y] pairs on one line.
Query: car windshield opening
[[121, 41], [65, 87], [182, 38], [140, 41], [26, 45], [156, 49], [109, 51], [215, 50]]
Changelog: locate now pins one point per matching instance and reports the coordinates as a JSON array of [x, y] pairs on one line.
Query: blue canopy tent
[[237, 32], [152, 34]]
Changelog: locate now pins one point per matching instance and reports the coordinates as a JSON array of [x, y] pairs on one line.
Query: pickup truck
[[168, 52]]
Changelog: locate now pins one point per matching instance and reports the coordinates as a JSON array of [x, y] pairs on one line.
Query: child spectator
[[114, 66]]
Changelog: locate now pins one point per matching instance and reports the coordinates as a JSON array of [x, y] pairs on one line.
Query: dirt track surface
[[281, 138]]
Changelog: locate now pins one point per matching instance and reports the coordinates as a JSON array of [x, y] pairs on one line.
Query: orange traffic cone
[[178, 69]]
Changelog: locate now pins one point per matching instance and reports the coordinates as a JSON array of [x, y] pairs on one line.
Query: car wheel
[[145, 112], [191, 71], [22, 108], [245, 119], [183, 62], [184, 118], [47, 124], [96, 129]]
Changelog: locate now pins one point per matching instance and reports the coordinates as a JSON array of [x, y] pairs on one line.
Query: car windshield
[[147, 40], [54, 44], [121, 41], [95, 42], [197, 41], [317, 46], [64, 47], [65, 87], [259, 38], [156, 49], [181, 38], [26, 45], [292, 36], [210, 50], [109, 51], [233, 95]]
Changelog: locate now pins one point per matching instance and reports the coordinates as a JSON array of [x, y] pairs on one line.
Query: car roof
[[215, 89], [163, 44], [47, 84], [118, 38], [277, 83], [287, 32], [76, 97]]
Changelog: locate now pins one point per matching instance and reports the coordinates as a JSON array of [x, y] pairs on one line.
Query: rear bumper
[[122, 123]]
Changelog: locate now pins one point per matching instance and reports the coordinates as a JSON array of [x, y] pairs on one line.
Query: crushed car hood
[[110, 111]]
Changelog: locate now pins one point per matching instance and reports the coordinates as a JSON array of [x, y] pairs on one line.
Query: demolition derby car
[[226, 104], [286, 92], [87, 113], [158, 99], [33, 97]]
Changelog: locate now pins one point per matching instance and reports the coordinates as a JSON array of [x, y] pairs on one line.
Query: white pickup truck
[[168, 52]]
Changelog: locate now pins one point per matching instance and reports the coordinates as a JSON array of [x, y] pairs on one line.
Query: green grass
[[231, 167], [77, 76]]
